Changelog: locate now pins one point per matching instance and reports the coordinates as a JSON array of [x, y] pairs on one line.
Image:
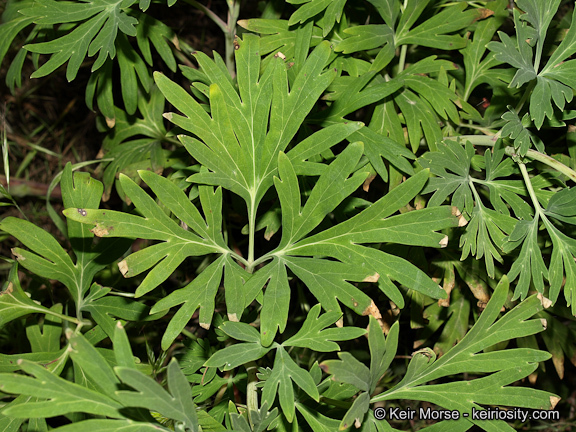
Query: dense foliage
[[357, 206]]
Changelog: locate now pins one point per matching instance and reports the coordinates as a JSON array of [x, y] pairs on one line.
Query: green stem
[[251, 390], [402, 60], [481, 140], [251, 235], [490, 141], [526, 177], [230, 34], [545, 159], [527, 93]]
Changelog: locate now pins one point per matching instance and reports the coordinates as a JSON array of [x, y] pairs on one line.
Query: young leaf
[[314, 335], [279, 382]]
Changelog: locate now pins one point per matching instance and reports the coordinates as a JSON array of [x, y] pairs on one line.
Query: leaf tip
[[461, 219], [8, 289], [205, 326], [168, 116], [233, 317], [123, 267], [544, 323], [18, 256], [545, 302], [553, 401], [444, 242]]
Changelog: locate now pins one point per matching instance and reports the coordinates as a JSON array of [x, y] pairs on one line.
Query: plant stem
[[251, 234], [548, 160], [490, 141], [251, 390], [527, 93], [402, 59], [526, 177]]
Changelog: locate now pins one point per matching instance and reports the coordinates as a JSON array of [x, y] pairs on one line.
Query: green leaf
[[451, 163], [562, 270], [348, 370], [530, 264], [486, 230], [97, 33], [314, 335], [199, 293], [153, 31], [539, 15], [177, 404], [382, 351], [14, 302], [178, 243], [317, 421], [467, 356], [49, 259], [62, 396], [434, 32], [242, 117], [47, 338], [562, 205], [240, 331], [518, 53], [476, 65], [236, 355], [517, 130], [357, 411], [97, 425], [366, 37], [279, 382], [333, 13]]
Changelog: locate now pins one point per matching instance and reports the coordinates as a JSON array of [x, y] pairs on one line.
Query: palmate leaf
[[48, 259], [238, 130], [178, 243], [487, 228], [435, 31], [278, 381], [314, 335], [518, 53], [451, 163], [353, 372], [328, 279], [503, 367], [101, 20]]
